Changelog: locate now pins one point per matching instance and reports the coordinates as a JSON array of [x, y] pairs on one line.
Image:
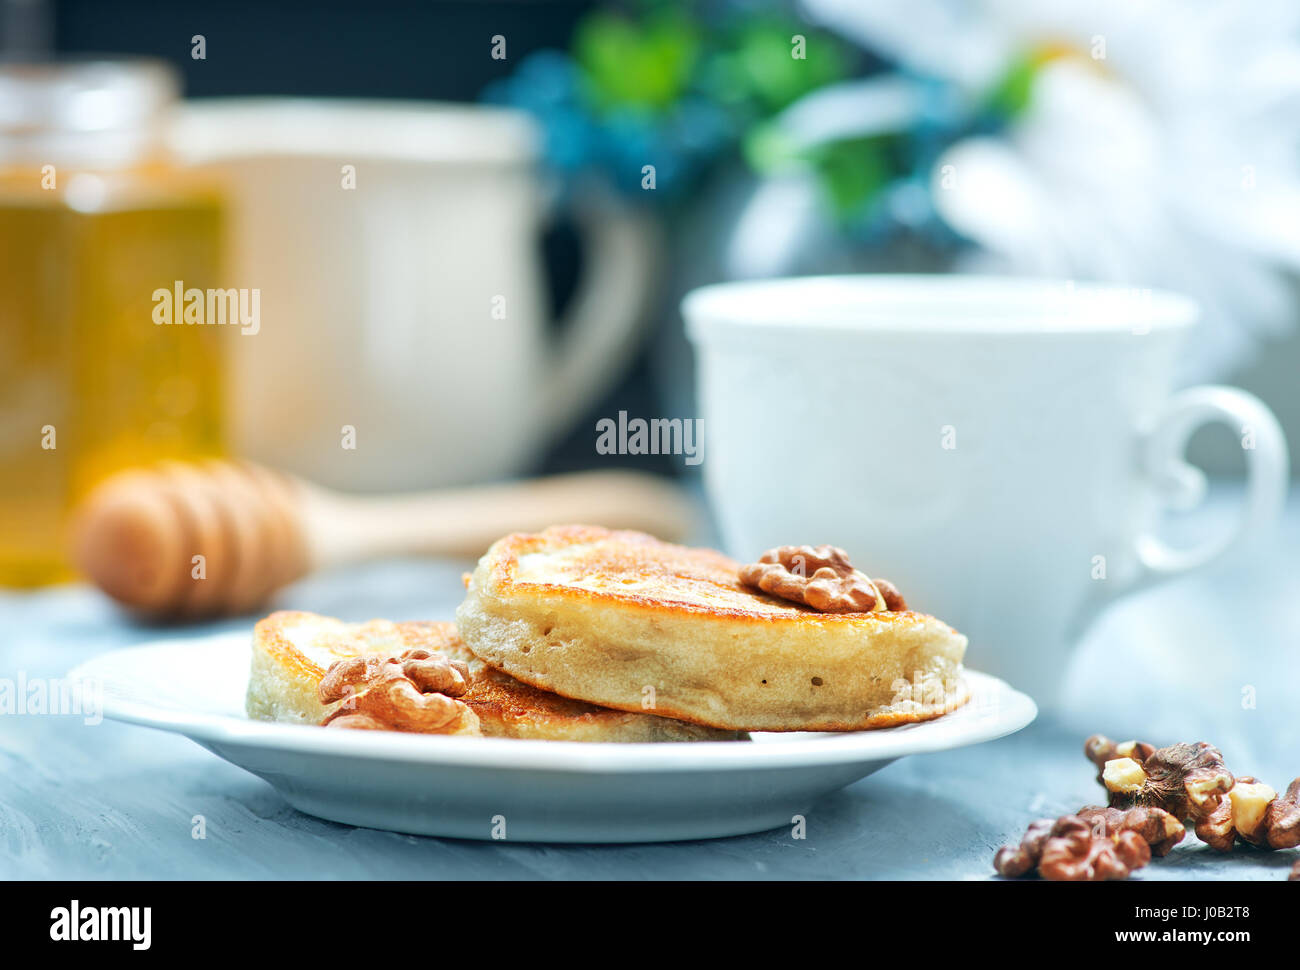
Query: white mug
[[997, 448], [394, 247]]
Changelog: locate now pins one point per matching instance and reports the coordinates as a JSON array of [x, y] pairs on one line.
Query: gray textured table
[[115, 801]]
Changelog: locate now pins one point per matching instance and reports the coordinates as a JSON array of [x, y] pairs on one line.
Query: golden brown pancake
[[621, 619], [292, 651]]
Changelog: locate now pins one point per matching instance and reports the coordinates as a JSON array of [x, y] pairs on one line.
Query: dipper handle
[[219, 537]]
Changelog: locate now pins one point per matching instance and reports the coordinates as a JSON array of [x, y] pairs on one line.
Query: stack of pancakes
[[583, 634]]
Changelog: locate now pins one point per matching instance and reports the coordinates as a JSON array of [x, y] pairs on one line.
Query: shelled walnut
[[1160, 830], [1074, 849], [1282, 821], [413, 691], [823, 578], [1217, 830], [1186, 780]]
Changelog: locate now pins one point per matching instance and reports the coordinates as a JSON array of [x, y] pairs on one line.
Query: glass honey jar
[[94, 221]]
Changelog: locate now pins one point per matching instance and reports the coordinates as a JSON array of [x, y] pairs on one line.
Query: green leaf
[[757, 65], [767, 148], [856, 170], [628, 64], [1011, 94]]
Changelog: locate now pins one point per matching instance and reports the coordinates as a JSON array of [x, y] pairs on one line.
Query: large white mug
[[998, 448], [394, 247]]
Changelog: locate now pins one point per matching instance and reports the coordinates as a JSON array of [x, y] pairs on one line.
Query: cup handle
[[605, 318], [1264, 446]]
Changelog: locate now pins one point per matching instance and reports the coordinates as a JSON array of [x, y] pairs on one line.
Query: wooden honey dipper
[[137, 534]]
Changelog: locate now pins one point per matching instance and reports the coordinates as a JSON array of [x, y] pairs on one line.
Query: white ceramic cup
[[395, 249], [997, 448]]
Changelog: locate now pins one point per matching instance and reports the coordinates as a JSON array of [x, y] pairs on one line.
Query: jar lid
[[97, 108]]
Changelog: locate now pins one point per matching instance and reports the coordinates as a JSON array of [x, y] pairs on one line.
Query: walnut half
[[1074, 848], [413, 691], [1187, 780], [1254, 813], [823, 578], [1160, 830]]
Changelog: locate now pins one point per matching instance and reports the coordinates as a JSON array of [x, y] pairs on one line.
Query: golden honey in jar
[[93, 223]]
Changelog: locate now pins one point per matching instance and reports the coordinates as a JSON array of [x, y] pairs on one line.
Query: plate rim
[[1014, 711]]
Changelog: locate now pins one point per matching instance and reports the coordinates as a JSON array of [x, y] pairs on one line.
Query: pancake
[[614, 618], [292, 651]]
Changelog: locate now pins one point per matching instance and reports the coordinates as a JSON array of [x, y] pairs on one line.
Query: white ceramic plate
[[543, 791]]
